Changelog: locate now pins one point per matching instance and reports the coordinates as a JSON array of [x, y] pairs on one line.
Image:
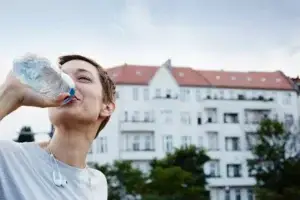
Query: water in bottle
[[42, 77]]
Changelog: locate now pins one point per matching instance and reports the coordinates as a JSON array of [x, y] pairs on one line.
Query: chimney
[[167, 64]]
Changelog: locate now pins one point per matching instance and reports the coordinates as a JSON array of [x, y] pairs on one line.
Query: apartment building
[[162, 107]]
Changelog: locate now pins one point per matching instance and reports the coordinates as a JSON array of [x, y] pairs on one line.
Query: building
[[161, 107]]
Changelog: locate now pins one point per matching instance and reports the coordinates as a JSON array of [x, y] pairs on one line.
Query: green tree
[[123, 179], [180, 174], [172, 183], [276, 163], [25, 135]]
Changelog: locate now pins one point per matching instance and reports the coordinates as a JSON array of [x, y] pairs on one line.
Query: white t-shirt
[[26, 173]]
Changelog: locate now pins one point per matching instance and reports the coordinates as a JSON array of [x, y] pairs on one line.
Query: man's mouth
[[75, 97]]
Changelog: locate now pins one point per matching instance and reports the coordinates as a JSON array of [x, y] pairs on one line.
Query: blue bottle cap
[[72, 93]]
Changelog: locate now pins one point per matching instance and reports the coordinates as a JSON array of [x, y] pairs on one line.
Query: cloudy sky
[[217, 34]]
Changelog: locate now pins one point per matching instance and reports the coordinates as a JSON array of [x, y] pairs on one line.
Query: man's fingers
[[37, 100]]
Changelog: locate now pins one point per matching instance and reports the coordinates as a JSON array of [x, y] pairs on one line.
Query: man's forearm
[[7, 101]]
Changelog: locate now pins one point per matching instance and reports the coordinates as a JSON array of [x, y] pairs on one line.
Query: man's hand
[[14, 94]]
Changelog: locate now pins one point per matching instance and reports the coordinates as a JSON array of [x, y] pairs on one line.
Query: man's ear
[[107, 109]]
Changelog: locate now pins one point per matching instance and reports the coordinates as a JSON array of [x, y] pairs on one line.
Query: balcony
[[141, 154], [166, 97], [240, 102], [232, 182], [135, 125], [166, 102], [211, 125]]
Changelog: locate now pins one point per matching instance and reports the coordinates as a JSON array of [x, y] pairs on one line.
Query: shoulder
[[99, 183], [10, 149], [7, 146], [13, 154], [98, 176]]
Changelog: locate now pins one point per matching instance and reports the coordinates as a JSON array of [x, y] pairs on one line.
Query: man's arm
[[8, 101]]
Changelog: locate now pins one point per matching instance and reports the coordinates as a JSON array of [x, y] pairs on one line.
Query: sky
[[239, 35]]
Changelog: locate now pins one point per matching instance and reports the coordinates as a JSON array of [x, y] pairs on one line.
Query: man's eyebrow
[[79, 70], [82, 70]]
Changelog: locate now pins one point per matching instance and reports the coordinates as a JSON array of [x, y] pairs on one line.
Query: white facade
[[152, 119]]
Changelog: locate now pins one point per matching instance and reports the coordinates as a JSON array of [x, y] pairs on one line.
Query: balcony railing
[[168, 96], [137, 125], [241, 98], [138, 121], [139, 150]]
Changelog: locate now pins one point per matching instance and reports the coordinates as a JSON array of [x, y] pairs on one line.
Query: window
[[234, 170], [146, 94], [213, 141], [135, 116], [232, 94], [287, 98], [166, 116], [135, 92], [136, 143], [250, 194], [125, 116], [227, 194], [184, 94], [231, 118], [251, 140], [198, 95], [185, 118], [251, 168], [200, 142], [168, 143], [237, 194], [158, 93], [199, 118], [147, 116], [214, 168], [222, 94], [168, 93], [211, 115], [274, 96], [208, 94], [232, 144], [148, 143], [186, 141], [102, 145], [288, 119]]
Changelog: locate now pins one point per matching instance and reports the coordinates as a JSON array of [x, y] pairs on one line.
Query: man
[[57, 170]]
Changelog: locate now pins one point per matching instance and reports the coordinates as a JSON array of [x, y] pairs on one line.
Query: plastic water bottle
[[38, 73]]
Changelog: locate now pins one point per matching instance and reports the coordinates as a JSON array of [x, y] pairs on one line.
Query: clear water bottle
[[38, 73]]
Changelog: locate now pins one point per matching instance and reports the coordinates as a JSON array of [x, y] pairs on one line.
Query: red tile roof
[[142, 75]]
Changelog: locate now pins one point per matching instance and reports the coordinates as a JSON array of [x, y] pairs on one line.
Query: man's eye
[[84, 78]]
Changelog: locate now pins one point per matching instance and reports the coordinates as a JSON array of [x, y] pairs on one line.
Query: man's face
[[88, 105]]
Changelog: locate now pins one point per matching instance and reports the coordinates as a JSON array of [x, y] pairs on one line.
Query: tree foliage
[[25, 135], [123, 180], [178, 176], [276, 164]]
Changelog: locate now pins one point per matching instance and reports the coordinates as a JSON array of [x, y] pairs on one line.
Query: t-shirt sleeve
[[7, 158], [8, 147], [102, 187]]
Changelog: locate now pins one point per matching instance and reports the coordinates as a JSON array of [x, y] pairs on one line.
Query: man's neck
[[70, 148]]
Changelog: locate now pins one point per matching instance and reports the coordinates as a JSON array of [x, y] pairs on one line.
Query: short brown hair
[[109, 88]]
